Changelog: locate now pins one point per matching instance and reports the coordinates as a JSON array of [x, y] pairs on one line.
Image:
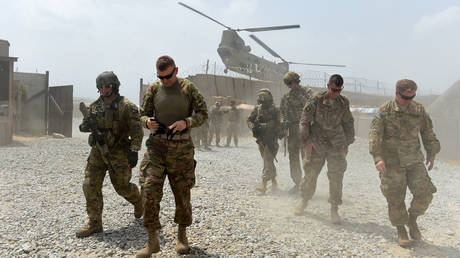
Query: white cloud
[[443, 20]]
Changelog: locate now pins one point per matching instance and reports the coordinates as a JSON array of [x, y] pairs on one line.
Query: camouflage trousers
[[232, 131], [214, 130], [294, 149], [173, 158], [268, 156], [336, 166], [393, 185], [94, 177]]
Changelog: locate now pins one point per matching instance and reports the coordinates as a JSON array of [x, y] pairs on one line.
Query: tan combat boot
[[403, 239], [299, 209], [274, 185], [262, 188], [182, 246], [335, 218], [139, 209], [152, 245], [91, 228], [414, 231]]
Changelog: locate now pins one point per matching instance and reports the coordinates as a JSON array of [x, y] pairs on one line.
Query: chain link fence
[[311, 78]]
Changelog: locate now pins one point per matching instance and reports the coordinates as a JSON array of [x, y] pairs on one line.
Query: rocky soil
[[42, 204]]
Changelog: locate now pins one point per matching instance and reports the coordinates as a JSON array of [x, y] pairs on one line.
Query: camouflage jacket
[[327, 124], [119, 122], [293, 103], [216, 115], [394, 134], [197, 111], [267, 120]]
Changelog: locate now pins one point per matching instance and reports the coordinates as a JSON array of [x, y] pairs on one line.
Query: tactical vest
[[108, 120]]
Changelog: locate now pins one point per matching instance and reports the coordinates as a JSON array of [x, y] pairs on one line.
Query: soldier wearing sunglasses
[[395, 146], [326, 129], [176, 104]]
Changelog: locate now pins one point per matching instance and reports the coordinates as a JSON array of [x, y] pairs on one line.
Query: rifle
[[97, 135], [262, 137]]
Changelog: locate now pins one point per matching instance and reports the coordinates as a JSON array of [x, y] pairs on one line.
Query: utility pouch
[[92, 140]]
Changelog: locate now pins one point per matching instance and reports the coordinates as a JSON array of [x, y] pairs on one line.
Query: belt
[[176, 137]]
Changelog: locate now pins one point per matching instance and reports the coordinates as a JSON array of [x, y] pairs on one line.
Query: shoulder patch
[[379, 115]]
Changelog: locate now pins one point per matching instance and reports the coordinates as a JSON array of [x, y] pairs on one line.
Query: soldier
[[216, 122], [264, 121], [291, 107], [116, 137], [170, 108], [394, 144], [326, 130], [203, 135], [233, 124]]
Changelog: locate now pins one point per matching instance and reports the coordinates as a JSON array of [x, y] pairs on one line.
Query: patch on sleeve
[[134, 109], [379, 115]]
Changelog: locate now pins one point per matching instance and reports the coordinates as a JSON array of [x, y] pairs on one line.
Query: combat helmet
[[264, 96], [108, 78], [290, 77]]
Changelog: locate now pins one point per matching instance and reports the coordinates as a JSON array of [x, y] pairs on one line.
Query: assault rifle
[[262, 137], [96, 137]]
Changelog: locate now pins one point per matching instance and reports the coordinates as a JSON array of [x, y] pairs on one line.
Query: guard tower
[[6, 93]]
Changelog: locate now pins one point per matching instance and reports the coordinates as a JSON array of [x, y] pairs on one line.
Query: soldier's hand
[[429, 163], [132, 158], [178, 126], [380, 166], [152, 124]]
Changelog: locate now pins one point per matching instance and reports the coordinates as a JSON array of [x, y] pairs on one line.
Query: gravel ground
[[42, 204]]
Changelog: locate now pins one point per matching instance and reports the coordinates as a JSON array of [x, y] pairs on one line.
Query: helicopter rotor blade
[[216, 21], [262, 44], [333, 65], [285, 27]]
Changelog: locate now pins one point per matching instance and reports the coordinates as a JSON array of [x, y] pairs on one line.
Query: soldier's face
[[168, 77], [333, 90], [404, 98], [106, 90]]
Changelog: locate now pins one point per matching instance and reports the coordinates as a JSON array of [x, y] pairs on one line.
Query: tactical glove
[[132, 158]]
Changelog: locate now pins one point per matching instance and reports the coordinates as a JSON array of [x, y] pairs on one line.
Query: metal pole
[[207, 66]]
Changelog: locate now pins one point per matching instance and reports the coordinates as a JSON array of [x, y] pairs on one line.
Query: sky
[[380, 40]]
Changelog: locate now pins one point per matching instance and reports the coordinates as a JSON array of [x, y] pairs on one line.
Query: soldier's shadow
[[134, 235], [368, 228], [418, 248]]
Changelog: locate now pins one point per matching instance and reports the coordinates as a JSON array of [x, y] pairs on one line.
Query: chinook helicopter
[[237, 56]]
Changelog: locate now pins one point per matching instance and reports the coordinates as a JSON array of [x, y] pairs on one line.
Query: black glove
[[132, 158]]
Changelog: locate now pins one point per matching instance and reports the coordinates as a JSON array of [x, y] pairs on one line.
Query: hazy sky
[[382, 40]]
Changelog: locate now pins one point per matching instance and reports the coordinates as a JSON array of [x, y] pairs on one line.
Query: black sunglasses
[[406, 97], [167, 77]]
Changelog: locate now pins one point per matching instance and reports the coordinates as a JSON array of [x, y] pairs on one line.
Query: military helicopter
[[237, 56]]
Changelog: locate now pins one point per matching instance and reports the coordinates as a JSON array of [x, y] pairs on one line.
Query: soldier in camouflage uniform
[[233, 124], [394, 144], [203, 136], [264, 122], [215, 116], [118, 119], [326, 130], [291, 107], [173, 105]]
